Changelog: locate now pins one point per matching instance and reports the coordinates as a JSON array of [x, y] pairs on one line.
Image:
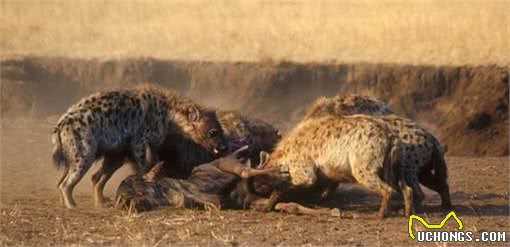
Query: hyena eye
[[213, 133]]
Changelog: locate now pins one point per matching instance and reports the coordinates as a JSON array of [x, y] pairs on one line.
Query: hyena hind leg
[[111, 163], [74, 177], [411, 179], [407, 193], [62, 178], [440, 185]]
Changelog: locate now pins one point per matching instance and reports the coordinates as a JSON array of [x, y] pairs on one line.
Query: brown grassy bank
[[465, 106]]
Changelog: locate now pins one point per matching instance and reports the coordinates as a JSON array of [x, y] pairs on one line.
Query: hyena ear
[[193, 113], [264, 157]]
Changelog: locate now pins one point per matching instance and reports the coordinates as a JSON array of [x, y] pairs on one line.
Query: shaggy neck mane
[[178, 108]]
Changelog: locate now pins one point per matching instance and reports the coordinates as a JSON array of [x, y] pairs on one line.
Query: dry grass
[[416, 32]]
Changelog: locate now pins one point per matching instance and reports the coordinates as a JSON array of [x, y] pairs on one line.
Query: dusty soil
[[31, 215], [466, 107]]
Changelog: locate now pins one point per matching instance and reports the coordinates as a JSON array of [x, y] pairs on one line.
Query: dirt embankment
[[465, 106]]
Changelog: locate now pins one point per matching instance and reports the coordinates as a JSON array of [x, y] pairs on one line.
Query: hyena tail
[[396, 177], [59, 159]]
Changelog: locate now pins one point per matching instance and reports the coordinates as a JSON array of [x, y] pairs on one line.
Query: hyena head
[[234, 129], [347, 105], [203, 128], [358, 104], [265, 184]]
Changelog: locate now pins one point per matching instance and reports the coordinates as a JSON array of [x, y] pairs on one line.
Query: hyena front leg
[[111, 163], [139, 149], [151, 155], [411, 178], [371, 180]]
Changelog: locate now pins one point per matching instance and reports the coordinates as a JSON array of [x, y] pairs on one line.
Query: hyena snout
[[216, 143], [209, 134]]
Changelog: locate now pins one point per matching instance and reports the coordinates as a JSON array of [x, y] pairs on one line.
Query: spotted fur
[[348, 105], [181, 155], [129, 122], [424, 160], [338, 149]]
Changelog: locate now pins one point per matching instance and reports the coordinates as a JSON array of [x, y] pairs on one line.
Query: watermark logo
[[433, 232], [433, 226]]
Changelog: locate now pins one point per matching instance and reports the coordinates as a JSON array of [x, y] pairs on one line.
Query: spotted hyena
[[126, 122], [240, 130], [338, 149], [424, 159], [181, 155], [347, 105]]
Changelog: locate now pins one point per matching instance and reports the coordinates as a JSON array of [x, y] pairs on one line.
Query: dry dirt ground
[[30, 213]]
